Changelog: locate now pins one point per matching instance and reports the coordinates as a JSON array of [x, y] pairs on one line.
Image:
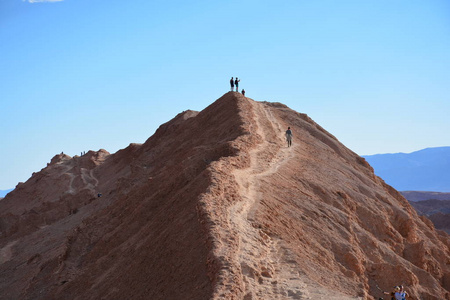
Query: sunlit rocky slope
[[215, 206]]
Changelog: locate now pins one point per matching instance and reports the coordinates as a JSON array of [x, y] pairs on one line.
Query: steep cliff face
[[216, 206]]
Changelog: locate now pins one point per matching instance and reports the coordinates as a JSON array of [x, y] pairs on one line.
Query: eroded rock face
[[216, 206], [435, 210]]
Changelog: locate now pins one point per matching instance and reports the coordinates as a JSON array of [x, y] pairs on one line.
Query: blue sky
[[79, 75]]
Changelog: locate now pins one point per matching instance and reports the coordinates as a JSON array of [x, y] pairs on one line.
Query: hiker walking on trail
[[392, 294], [232, 83], [400, 293], [289, 136], [395, 294], [236, 83]]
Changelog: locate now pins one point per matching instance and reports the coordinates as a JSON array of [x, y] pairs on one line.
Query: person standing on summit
[[232, 83], [236, 83], [289, 136]]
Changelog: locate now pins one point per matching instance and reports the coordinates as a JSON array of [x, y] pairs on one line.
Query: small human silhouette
[[289, 136], [236, 83], [243, 92], [232, 83]]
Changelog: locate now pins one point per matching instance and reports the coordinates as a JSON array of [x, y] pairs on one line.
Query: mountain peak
[[215, 205]]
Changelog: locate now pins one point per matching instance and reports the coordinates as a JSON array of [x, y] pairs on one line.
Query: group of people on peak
[[398, 293], [235, 82]]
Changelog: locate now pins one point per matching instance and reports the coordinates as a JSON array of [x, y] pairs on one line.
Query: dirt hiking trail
[[267, 271]]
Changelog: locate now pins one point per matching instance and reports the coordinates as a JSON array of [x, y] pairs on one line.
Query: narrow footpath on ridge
[[87, 177], [258, 253]]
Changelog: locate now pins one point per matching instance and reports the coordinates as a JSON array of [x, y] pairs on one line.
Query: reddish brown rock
[[215, 206]]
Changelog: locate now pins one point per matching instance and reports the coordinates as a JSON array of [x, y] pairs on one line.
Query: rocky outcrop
[[216, 206]]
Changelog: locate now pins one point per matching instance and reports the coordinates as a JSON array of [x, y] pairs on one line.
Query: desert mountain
[[215, 206], [424, 170]]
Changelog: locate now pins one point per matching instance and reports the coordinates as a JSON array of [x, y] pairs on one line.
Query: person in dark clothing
[[232, 83], [289, 136], [236, 83], [243, 92]]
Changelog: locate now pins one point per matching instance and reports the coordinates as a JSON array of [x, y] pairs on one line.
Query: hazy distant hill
[[4, 192], [424, 170], [421, 196], [431, 207]]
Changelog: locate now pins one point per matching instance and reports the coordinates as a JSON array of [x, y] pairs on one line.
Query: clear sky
[[79, 75]]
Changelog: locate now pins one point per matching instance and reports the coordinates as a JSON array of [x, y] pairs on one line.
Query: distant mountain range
[[4, 192], [416, 196], [424, 170]]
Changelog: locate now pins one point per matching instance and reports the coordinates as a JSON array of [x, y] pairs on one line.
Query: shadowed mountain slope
[[438, 211], [215, 206], [434, 205]]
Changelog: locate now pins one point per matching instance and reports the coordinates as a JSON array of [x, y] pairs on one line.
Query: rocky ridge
[[215, 206]]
